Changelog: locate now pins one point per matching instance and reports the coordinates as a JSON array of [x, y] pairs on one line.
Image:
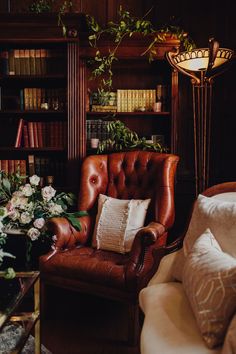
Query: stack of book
[[41, 134], [33, 98]]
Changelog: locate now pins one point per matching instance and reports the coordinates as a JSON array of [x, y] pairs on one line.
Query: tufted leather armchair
[[75, 264]]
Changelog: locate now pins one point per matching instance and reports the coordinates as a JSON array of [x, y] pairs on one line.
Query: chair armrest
[[65, 235], [141, 255], [175, 245]]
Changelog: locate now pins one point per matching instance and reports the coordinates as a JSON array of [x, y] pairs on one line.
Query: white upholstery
[[169, 323]]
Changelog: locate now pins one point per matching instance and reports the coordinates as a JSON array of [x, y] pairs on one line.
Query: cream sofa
[[170, 325]]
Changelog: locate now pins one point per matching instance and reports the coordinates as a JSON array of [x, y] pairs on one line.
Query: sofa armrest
[[65, 235]]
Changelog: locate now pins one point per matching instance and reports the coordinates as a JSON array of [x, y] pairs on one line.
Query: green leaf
[[6, 184], [74, 222]]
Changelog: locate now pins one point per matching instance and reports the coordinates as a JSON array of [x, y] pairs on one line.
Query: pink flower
[[39, 223], [48, 193]]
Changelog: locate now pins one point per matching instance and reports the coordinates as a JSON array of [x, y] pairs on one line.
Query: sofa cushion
[[169, 324], [217, 213], [209, 278], [118, 221], [230, 338]]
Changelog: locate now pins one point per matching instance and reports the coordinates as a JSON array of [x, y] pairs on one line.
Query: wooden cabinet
[[133, 73]]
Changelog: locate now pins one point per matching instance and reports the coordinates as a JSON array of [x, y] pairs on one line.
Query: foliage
[[126, 26], [40, 6], [27, 207], [122, 138]]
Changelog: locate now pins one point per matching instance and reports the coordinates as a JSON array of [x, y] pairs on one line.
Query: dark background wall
[[201, 19]]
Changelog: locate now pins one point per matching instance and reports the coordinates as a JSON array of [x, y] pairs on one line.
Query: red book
[[36, 137], [25, 136], [31, 134], [19, 133], [40, 133]]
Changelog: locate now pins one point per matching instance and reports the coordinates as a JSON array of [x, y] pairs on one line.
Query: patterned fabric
[[217, 213], [230, 339], [118, 221], [209, 280]]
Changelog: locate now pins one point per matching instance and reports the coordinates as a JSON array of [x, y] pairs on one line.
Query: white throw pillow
[[209, 280], [217, 214], [117, 222]]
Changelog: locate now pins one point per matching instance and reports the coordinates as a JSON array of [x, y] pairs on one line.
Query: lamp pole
[[201, 65]]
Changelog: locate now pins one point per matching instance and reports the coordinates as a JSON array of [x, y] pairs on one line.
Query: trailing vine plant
[[42, 6], [126, 26]]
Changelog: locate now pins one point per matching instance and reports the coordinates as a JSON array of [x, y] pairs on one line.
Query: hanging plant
[[127, 26]]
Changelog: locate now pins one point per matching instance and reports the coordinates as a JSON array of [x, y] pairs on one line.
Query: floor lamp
[[201, 65]]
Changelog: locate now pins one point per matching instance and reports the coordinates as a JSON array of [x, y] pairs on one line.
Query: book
[[31, 165], [17, 61], [37, 62], [4, 68], [25, 136], [27, 61], [31, 134], [22, 61], [11, 62], [19, 133], [32, 61]]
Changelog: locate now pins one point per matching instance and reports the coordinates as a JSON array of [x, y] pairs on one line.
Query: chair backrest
[[131, 175]]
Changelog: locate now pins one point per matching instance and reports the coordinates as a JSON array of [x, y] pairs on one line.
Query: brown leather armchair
[[74, 264]]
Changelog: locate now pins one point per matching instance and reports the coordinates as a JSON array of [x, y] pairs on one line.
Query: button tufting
[[93, 179]]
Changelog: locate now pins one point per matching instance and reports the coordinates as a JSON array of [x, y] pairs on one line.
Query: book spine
[[32, 61], [31, 134], [35, 132], [4, 62], [19, 133], [31, 165], [25, 136], [11, 62], [37, 62], [27, 61], [22, 61], [17, 61]]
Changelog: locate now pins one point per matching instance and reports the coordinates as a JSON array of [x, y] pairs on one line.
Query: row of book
[[135, 100], [41, 166], [35, 98], [45, 167], [14, 166], [96, 128], [41, 134], [39, 61]]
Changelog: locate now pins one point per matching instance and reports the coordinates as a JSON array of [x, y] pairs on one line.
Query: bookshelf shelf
[[31, 150], [132, 114], [31, 111]]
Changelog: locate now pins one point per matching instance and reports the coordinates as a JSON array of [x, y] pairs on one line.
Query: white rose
[[48, 193], [14, 215], [34, 180], [25, 218], [55, 209], [33, 233], [27, 190], [39, 223]]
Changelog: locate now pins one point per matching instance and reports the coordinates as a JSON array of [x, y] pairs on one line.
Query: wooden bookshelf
[[53, 70], [132, 72]]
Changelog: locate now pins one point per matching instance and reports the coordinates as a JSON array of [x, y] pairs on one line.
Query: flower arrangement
[[26, 207]]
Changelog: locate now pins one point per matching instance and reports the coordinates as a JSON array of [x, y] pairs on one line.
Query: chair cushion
[[217, 213], [118, 221], [209, 278], [87, 264], [169, 324]]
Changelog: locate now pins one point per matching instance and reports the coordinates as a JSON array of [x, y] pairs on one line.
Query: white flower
[[17, 202], [39, 223], [25, 217], [34, 180], [14, 215], [27, 190], [48, 193], [33, 233], [55, 209]]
